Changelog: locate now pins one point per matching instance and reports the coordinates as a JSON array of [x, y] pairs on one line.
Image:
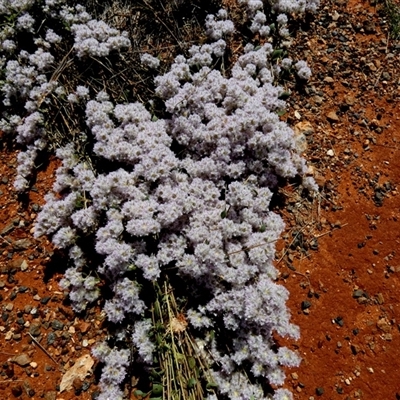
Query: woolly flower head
[[303, 70], [96, 38], [216, 29], [25, 22], [149, 61]]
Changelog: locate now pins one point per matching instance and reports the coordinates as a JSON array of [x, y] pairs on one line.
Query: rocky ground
[[339, 258]]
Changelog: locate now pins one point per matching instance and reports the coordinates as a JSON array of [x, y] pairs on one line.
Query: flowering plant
[[176, 199]]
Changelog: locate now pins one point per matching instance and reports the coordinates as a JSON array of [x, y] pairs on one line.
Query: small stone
[[383, 325], [362, 300], [318, 100], [7, 229], [16, 390], [34, 329], [295, 376], [84, 327], [45, 299], [33, 364], [22, 244], [9, 307], [388, 337], [51, 338], [8, 335], [358, 293], [319, 391], [57, 325], [22, 360], [27, 309], [36, 297], [347, 382], [350, 100], [330, 153], [305, 304], [335, 16], [339, 321], [50, 396], [24, 266], [355, 349], [329, 79], [332, 117], [379, 298]]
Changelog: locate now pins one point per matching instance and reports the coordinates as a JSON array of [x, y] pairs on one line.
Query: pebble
[[51, 338], [34, 329], [330, 153], [9, 307], [332, 117], [22, 360], [22, 244], [50, 396], [16, 390], [84, 327], [305, 304], [33, 364], [57, 325], [24, 266], [318, 100], [27, 309]]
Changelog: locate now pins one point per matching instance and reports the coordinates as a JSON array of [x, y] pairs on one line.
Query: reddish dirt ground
[[344, 294], [350, 334]]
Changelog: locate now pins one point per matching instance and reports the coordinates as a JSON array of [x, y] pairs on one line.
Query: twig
[[43, 349], [287, 249], [327, 233]]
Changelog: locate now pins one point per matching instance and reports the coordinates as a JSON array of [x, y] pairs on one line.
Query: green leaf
[[276, 54], [180, 357], [157, 389], [284, 95], [281, 112], [191, 383], [139, 393], [192, 363], [211, 386]]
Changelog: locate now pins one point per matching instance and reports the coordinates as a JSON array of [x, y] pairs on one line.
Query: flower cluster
[[149, 61], [96, 38]]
